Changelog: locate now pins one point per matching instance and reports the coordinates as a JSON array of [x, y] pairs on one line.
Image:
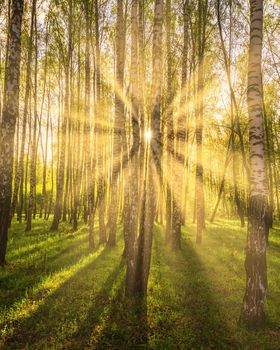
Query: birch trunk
[[8, 122], [153, 162], [32, 192], [132, 245], [90, 181], [61, 167], [20, 169], [255, 263], [119, 122], [99, 111], [202, 11]]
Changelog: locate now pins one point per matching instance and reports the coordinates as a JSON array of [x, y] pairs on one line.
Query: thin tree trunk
[[170, 130], [32, 196], [48, 210], [88, 155], [61, 168], [233, 97], [153, 167], [44, 183], [99, 115], [119, 123], [78, 165], [269, 164], [134, 180], [200, 214], [8, 122], [20, 170], [237, 199], [222, 185]]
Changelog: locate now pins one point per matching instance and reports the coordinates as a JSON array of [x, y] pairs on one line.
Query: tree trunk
[[255, 263], [269, 163], [32, 197], [61, 168], [8, 122], [134, 180], [99, 135], [232, 93], [77, 163], [153, 167], [178, 182], [202, 11], [20, 169], [119, 123], [237, 199], [170, 130], [44, 183], [88, 148], [222, 185]]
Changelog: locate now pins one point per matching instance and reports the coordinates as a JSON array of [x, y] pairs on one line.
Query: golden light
[[148, 135]]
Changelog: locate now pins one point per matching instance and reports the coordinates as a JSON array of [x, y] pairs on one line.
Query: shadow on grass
[[113, 321], [48, 260], [126, 326], [80, 314], [208, 323], [274, 241], [23, 244], [60, 313], [189, 316]]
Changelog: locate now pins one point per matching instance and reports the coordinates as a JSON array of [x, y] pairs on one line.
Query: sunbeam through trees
[[139, 174]]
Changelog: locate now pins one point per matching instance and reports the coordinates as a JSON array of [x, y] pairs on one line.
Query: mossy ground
[[55, 294]]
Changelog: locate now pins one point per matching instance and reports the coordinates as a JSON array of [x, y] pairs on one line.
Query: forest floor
[[55, 294]]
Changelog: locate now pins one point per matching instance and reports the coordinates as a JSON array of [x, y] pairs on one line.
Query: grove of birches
[[139, 174]]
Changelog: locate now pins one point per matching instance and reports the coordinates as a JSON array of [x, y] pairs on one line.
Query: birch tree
[[119, 122], [255, 262], [8, 122]]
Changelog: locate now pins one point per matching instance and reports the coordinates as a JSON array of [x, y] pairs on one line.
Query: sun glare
[[148, 135]]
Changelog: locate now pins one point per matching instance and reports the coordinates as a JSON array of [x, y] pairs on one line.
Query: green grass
[[55, 294]]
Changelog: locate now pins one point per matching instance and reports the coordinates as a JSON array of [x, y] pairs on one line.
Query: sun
[[148, 135]]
